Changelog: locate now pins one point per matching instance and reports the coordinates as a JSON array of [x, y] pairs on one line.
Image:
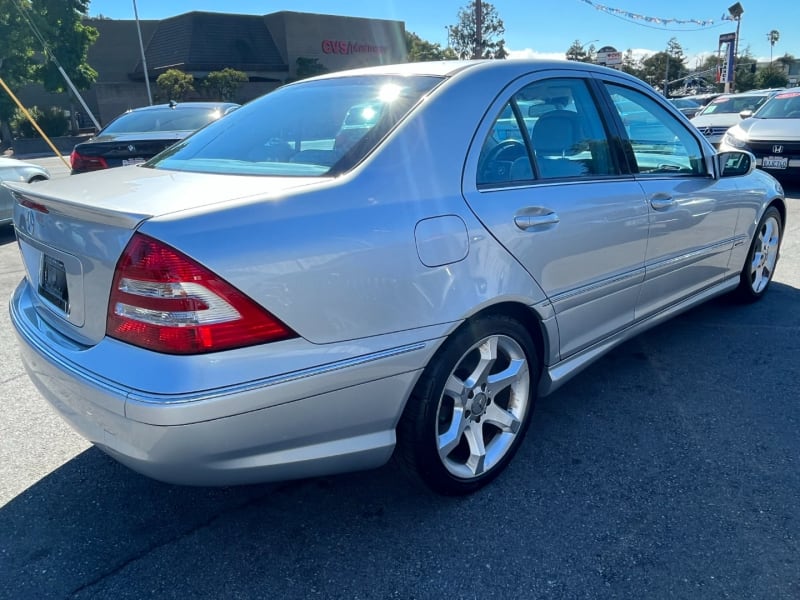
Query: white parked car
[[20, 171], [772, 134], [725, 111]]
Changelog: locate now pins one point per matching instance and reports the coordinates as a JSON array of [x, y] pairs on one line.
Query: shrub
[[52, 121]]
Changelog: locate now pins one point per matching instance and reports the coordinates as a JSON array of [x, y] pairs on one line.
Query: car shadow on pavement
[[651, 466]]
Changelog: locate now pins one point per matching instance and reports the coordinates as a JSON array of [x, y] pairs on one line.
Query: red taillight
[[162, 300], [81, 162]]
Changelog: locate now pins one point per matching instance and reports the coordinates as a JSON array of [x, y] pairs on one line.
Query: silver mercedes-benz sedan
[[16, 170], [390, 261]]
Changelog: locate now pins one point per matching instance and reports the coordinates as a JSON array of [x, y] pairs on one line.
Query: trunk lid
[[72, 231]]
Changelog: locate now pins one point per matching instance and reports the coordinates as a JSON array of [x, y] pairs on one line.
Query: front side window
[[657, 142], [548, 130], [312, 128]]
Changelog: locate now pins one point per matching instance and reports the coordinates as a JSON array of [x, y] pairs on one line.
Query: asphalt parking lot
[[669, 469]]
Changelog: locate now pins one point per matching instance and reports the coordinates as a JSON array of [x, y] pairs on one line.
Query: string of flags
[[652, 20]]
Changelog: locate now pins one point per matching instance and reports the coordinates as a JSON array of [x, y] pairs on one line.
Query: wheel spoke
[[507, 377], [502, 419], [448, 440], [477, 448], [480, 374], [454, 388]]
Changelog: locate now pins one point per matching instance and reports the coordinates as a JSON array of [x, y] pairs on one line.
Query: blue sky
[[536, 27]]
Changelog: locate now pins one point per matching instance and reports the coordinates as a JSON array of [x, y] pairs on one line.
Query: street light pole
[[144, 60], [735, 11]]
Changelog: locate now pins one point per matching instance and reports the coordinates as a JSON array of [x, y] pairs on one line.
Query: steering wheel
[[507, 150]]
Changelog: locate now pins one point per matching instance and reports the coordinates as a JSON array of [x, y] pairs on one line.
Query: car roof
[[447, 68], [183, 105]]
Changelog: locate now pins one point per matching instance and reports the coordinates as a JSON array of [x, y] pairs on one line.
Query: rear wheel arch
[[443, 415]]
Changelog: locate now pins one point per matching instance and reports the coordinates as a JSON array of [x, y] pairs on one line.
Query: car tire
[[470, 409], [761, 258]]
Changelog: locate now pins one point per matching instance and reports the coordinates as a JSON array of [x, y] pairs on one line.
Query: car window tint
[[548, 129], [658, 142]]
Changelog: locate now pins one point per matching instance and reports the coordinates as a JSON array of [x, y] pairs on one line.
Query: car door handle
[[662, 202], [526, 222]]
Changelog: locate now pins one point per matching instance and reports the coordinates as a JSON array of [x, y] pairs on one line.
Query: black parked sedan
[[139, 134]]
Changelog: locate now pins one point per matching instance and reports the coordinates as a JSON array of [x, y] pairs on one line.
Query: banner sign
[[729, 41]]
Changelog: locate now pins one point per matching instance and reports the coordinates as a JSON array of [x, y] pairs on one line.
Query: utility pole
[[735, 11], [144, 60], [478, 29]]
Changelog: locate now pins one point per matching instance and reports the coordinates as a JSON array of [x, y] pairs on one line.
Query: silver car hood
[[778, 130], [126, 196], [718, 120]]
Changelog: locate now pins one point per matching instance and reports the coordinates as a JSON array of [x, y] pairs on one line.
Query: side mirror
[[746, 114], [735, 163]]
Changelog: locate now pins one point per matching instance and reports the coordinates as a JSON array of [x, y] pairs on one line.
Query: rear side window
[[657, 142], [548, 130]]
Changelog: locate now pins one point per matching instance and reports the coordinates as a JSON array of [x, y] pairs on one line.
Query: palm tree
[[773, 37]]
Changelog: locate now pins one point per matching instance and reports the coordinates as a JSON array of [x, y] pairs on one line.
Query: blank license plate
[[53, 282], [775, 162]]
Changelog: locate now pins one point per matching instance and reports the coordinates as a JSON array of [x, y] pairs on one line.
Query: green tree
[[68, 40], [309, 67], [771, 76], [773, 37], [463, 34], [225, 83], [786, 61], [580, 53], [61, 34], [668, 65], [745, 77], [630, 65], [174, 84], [16, 60], [420, 50]]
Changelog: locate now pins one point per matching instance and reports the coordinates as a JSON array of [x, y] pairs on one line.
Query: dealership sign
[[608, 55], [726, 72], [346, 47]]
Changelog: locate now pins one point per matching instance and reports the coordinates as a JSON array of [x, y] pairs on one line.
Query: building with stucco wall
[[265, 47]]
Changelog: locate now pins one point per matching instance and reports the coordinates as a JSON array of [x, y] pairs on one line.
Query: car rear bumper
[[347, 424]]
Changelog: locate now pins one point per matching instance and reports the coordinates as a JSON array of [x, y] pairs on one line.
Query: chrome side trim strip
[[275, 379], [597, 289], [673, 264], [27, 330]]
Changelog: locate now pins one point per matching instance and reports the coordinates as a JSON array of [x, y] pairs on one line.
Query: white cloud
[[531, 53]]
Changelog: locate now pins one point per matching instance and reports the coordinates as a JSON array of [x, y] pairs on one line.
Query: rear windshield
[[163, 119], [311, 129]]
